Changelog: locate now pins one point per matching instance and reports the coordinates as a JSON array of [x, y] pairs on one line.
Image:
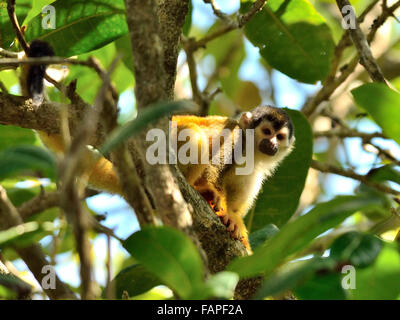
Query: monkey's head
[[273, 130]]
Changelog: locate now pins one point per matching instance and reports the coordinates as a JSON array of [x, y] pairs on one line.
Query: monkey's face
[[273, 130]]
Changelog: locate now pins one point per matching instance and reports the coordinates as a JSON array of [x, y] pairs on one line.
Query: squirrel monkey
[[263, 137]]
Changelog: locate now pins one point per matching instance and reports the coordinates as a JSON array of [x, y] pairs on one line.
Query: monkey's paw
[[232, 226]]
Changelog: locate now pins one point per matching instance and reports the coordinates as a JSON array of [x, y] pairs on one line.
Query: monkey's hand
[[233, 222]]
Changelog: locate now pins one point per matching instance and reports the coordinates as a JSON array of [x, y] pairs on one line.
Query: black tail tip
[[40, 48]]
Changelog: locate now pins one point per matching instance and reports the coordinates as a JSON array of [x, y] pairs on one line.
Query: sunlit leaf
[[357, 249], [12, 136], [383, 104], [259, 237], [170, 255], [293, 38], [135, 280], [81, 26], [381, 280], [24, 158], [297, 234]]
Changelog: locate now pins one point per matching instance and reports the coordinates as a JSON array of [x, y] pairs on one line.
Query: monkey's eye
[[280, 136], [267, 131]]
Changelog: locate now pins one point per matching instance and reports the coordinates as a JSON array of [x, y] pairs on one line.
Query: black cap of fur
[[278, 117]]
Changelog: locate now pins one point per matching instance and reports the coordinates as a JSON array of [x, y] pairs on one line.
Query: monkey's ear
[[245, 120]]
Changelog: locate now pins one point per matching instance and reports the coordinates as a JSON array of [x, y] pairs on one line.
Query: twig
[[332, 82], [241, 21], [257, 6], [109, 284], [327, 168], [72, 194], [3, 87], [32, 255], [202, 99], [361, 44], [343, 133], [38, 204], [16, 26], [217, 11], [8, 54]]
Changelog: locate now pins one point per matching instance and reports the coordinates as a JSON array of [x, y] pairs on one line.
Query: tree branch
[[361, 44], [327, 168], [33, 256]]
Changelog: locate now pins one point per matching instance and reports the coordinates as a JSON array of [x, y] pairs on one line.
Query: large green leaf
[[259, 237], [357, 249], [280, 195], [383, 104], [170, 255], [381, 280], [12, 136], [221, 285], [293, 38], [81, 26], [135, 280], [323, 286], [297, 274], [385, 173], [26, 158], [89, 83], [297, 234]]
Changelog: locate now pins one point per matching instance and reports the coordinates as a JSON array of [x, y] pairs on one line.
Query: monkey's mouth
[[267, 147]]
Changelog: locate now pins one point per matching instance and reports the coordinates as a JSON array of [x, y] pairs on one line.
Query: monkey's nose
[[268, 147]]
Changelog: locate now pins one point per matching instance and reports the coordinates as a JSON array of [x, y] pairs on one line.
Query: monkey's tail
[[36, 73]]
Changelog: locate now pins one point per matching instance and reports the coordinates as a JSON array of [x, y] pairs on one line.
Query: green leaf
[[170, 255], [325, 286], [135, 280], [385, 173], [12, 136], [18, 196], [81, 26], [89, 83], [260, 236], [356, 248], [144, 118], [26, 234], [383, 104], [124, 47], [12, 287], [292, 275], [188, 20], [7, 33], [280, 195], [221, 285], [381, 280], [293, 38], [297, 234], [22, 158]]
